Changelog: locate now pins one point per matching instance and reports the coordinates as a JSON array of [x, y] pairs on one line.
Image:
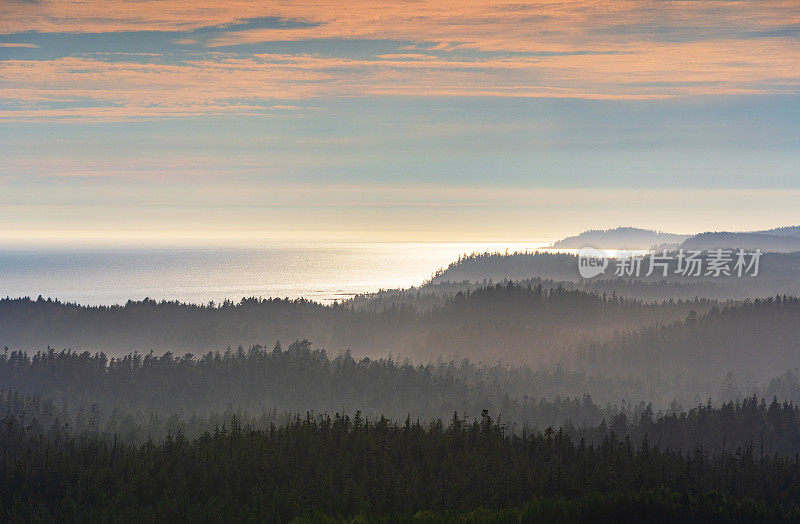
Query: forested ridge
[[779, 273], [759, 337], [436, 292], [510, 322], [345, 466], [674, 349], [137, 396]]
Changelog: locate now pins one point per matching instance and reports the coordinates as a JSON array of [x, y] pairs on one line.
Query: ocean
[[319, 272]]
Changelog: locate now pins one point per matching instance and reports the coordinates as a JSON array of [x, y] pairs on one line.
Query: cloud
[[627, 49], [219, 84], [17, 44]]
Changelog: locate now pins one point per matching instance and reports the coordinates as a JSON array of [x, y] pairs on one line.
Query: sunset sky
[[238, 121]]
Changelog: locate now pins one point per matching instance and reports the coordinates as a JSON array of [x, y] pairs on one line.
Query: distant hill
[[779, 273], [765, 242], [790, 231], [783, 239], [620, 238]]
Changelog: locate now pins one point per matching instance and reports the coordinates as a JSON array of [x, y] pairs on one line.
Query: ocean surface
[[319, 272]]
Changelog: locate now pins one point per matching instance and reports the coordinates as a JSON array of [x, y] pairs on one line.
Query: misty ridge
[[139, 397], [657, 341], [779, 274], [609, 347], [779, 239], [509, 322]]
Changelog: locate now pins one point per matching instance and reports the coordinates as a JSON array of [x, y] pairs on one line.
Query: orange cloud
[[509, 25], [551, 48], [15, 44]]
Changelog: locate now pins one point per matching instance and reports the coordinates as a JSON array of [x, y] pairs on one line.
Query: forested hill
[[647, 290], [765, 242], [514, 323], [620, 238], [779, 273], [512, 266], [759, 338], [138, 396]]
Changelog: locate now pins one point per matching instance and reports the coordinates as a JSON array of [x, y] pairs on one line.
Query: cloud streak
[[18, 45]]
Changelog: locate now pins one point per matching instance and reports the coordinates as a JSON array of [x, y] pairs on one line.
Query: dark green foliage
[[348, 466]]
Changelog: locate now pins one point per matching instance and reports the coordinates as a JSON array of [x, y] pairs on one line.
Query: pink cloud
[[14, 44], [215, 84], [552, 48]]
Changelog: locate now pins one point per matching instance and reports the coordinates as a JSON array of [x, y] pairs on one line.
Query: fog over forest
[[619, 340], [504, 345]]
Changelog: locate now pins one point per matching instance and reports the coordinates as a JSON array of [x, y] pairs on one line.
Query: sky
[[200, 121]]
